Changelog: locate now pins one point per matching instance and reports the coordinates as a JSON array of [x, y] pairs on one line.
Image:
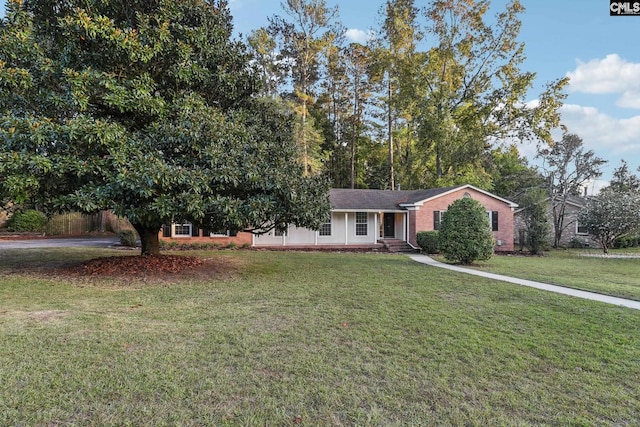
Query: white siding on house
[[343, 232]]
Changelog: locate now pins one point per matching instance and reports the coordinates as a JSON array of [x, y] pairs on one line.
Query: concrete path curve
[[424, 259]]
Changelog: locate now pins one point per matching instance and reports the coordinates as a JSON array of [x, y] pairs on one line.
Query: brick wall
[[568, 235], [424, 216]]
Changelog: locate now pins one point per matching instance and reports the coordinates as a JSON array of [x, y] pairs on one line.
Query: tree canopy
[[611, 215], [440, 87], [567, 167], [615, 211], [147, 108]]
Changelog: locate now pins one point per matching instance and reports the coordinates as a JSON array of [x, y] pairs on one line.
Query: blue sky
[[572, 38]]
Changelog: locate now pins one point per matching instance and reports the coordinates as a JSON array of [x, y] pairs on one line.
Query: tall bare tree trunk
[[390, 137]]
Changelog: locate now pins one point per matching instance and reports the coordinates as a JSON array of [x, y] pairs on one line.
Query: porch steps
[[397, 246]]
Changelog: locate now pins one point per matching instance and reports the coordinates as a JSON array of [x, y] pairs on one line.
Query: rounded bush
[[127, 238], [428, 241], [465, 235], [29, 221]]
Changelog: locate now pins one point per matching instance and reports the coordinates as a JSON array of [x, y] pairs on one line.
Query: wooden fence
[[77, 224]]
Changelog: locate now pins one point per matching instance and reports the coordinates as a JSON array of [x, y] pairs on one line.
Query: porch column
[[411, 224], [405, 229], [376, 230], [346, 228]]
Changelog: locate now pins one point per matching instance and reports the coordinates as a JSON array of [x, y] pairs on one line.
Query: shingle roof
[[386, 200]]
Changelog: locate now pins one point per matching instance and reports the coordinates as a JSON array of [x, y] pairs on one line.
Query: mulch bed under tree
[[147, 267]]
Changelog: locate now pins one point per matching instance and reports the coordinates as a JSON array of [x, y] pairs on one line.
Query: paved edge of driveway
[[424, 259]]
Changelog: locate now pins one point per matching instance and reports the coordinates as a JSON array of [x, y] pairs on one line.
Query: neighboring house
[[573, 233], [369, 218], [361, 217]]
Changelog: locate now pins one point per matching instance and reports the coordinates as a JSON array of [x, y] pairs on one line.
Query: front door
[[389, 225]]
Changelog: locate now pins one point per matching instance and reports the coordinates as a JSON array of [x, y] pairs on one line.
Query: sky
[[577, 39]]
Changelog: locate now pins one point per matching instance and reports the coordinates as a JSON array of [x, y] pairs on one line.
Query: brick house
[[373, 217], [573, 233], [188, 233]]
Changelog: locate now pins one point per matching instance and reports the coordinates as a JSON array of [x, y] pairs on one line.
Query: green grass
[[308, 339], [618, 277]]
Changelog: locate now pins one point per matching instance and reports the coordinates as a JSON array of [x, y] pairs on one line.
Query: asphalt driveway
[[96, 242]]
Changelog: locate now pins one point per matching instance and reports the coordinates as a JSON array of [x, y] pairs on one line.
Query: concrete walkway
[[538, 285]]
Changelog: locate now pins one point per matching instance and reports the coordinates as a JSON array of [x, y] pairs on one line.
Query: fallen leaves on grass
[[135, 265], [150, 268]]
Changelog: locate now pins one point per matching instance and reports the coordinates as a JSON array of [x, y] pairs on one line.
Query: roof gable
[[422, 198]]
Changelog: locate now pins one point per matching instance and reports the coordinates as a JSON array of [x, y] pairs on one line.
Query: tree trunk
[[149, 239], [390, 137]]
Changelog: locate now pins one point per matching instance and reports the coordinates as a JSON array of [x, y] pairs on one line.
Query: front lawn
[[580, 269], [309, 339]]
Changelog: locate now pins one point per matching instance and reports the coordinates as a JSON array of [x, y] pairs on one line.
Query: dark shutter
[[233, 233], [195, 231], [436, 220], [206, 232], [166, 231], [494, 220]]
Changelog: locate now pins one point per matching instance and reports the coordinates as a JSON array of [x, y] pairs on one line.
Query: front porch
[[363, 228]]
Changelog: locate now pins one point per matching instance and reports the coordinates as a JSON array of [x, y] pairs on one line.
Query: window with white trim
[[325, 228], [182, 230], [362, 223], [437, 219], [581, 229], [218, 233]]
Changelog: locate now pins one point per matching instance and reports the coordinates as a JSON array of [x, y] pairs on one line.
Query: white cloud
[[357, 36], [607, 136], [610, 75], [610, 138]]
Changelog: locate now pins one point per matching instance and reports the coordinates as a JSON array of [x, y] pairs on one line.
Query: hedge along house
[[383, 217]]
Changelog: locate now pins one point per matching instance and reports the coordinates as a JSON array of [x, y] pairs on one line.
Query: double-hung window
[[182, 230], [325, 228], [581, 229], [362, 223], [437, 219], [493, 220], [218, 233]]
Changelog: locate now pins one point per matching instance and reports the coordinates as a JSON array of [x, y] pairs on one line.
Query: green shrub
[[626, 242], [127, 238], [29, 220], [534, 213], [577, 243], [428, 241], [465, 235]]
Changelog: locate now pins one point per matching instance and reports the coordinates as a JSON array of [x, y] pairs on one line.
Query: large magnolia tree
[[146, 108]]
